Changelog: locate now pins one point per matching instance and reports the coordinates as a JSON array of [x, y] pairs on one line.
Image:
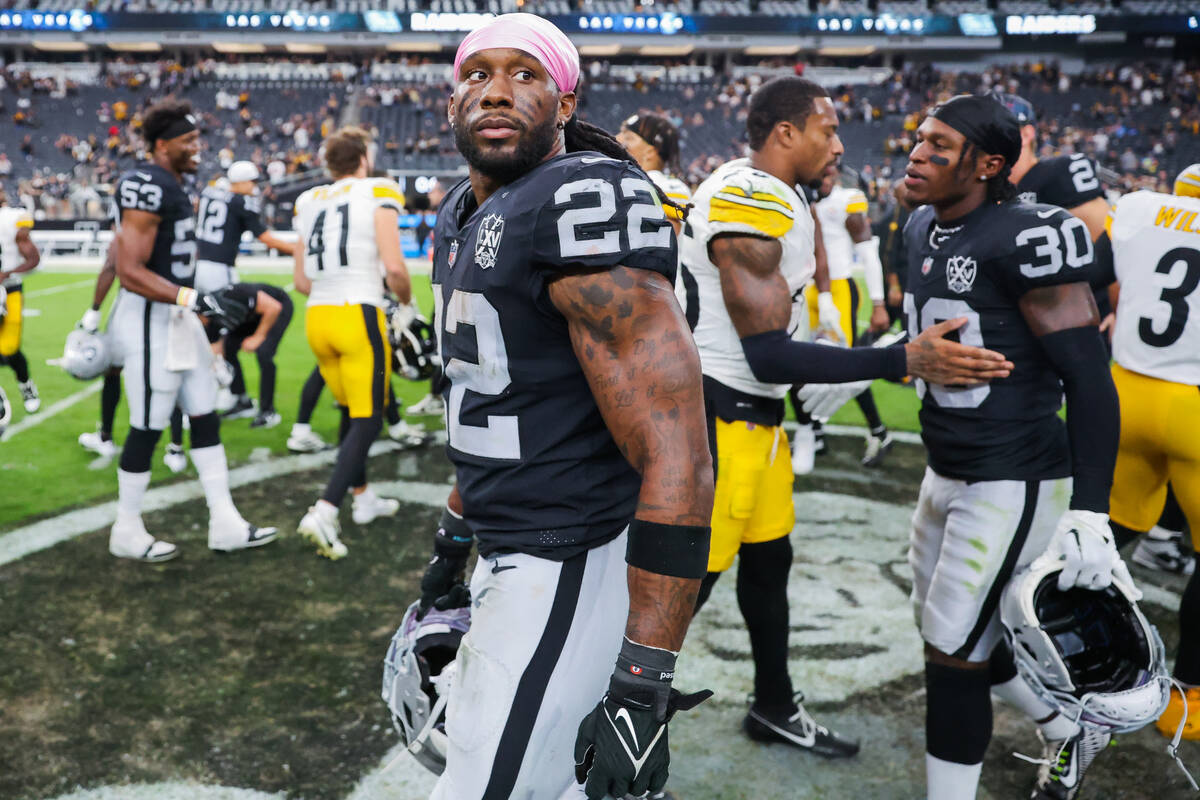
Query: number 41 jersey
[[979, 267], [537, 468]]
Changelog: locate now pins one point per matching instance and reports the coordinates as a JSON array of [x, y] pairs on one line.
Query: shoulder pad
[[754, 202], [386, 193], [856, 202]]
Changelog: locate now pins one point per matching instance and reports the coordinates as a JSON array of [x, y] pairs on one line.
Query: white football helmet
[[86, 354], [5, 411], [417, 673], [1092, 655]]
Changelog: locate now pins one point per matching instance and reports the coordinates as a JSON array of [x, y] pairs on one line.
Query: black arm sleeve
[[1103, 269], [775, 358], [1093, 412]]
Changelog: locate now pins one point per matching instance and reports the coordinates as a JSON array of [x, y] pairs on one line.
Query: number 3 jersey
[[537, 468], [152, 188], [1156, 252], [979, 267]]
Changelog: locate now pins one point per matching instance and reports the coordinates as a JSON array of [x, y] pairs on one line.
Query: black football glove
[[226, 308], [622, 746], [443, 584]]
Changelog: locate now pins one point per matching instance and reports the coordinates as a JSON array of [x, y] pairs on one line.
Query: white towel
[[181, 340]]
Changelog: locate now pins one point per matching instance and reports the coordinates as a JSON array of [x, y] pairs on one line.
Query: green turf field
[[46, 471]]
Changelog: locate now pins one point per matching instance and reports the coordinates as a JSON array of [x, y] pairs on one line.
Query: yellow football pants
[[10, 328], [845, 297], [353, 354]]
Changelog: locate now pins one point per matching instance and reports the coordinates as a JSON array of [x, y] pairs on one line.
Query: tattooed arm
[[634, 346]]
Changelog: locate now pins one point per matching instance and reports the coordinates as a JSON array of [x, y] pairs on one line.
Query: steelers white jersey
[[12, 220], [336, 225], [1156, 251], [675, 189], [739, 199], [833, 212]]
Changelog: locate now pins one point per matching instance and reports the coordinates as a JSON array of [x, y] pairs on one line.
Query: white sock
[[214, 477], [946, 780], [299, 428], [326, 509], [131, 488], [1016, 693]]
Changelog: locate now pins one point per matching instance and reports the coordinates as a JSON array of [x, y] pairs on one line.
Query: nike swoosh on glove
[[622, 749], [1084, 545], [822, 400]]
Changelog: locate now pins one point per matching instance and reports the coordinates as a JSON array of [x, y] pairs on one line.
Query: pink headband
[[537, 36]]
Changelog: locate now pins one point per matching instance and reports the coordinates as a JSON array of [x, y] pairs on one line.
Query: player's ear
[[450, 111], [566, 107], [990, 166]]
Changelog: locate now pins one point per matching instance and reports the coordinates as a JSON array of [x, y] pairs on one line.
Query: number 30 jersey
[[151, 188], [336, 226], [979, 267], [537, 468], [1156, 251]]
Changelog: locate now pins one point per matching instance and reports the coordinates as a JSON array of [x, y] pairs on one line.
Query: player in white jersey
[[846, 234], [1156, 347], [349, 245], [748, 247], [18, 255]]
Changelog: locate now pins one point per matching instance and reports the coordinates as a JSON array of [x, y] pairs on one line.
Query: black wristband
[[454, 536], [642, 678], [646, 663], [680, 551]]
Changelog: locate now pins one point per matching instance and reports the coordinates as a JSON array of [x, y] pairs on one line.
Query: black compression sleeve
[[1103, 269], [775, 358], [1093, 412]]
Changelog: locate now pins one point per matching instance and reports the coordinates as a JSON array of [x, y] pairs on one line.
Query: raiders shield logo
[[453, 254], [960, 274], [487, 240]]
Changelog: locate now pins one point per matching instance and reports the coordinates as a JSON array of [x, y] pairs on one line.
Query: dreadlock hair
[[579, 136], [1000, 188], [787, 99], [161, 116]]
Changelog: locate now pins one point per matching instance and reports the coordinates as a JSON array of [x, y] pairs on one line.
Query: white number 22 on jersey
[[500, 437], [643, 209]]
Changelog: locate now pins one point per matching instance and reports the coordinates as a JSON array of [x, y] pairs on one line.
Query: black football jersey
[[222, 218], [537, 469], [979, 267], [248, 293], [152, 188], [1065, 181]]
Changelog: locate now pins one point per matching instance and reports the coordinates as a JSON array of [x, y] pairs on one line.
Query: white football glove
[[90, 321], [829, 318], [403, 316], [1084, 545], [822, 400]]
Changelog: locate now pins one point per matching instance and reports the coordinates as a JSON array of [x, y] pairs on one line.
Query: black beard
[[532, 148]]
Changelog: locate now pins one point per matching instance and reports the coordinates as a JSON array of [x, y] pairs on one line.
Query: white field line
[[281, 265], [907, 437], [30, 420], [65, 287]]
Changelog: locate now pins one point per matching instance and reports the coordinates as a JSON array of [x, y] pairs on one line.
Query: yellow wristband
[[186, 297]]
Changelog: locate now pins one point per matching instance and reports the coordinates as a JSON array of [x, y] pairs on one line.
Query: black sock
[[1172, 518], [958, 713], [866, 403], [1121, 535], [706, 587], [1187, 660], [20, 366], [351, 467], [309, 396], [177, 427], [266, 383], [762, 579], [238, 387], [110, 396], [138, 450], [392, 408]]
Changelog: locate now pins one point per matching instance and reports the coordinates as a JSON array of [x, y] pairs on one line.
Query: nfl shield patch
[[453, 254], [487, 240], [926, 265]]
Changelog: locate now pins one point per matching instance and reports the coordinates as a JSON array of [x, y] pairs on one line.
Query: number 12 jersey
[[979, 267], [537, 468]]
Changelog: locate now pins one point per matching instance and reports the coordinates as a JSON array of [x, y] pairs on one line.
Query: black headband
[[658, 132], [985, 123], [180, 127]]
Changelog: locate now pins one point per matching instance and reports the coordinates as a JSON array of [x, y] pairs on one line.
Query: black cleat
[[799, 730]]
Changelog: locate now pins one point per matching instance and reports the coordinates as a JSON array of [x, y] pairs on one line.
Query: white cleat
[[804, 444], [175, 459], [428, 406], [408, 435], [29, 394], [234, 533], [130, 540], [321, 527], [304, 440], [92, 442], [369, 507]]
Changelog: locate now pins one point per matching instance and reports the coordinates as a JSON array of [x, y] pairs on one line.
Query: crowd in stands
[[1139, 121]]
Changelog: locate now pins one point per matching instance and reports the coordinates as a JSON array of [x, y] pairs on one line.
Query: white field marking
[[170, 790], [907, 437], [30, 420], [273, 265], [64, 287], [31, 312]]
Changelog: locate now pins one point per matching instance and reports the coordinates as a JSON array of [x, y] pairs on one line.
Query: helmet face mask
[[1090, 654], [414, 348], [417, 673]]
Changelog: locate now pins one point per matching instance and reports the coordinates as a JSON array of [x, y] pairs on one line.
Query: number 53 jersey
[[979, 267], [537, 468], [1156, 255]]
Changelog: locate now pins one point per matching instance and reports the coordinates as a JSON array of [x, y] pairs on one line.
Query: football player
[[654, 144], [1156, 347], [18, 255], [749, 245], [156, 328], [226, 211], [260, 333], [1007, 480], [576, 429], [350, 239], [846, 233]]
